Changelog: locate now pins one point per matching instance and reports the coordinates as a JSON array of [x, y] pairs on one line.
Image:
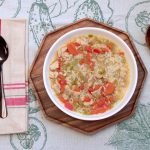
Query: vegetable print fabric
[[45, 16]]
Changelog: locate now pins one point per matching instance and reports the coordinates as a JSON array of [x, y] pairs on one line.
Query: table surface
[[130, 16]]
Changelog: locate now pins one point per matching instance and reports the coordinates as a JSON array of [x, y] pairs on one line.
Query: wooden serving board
[[51, 111]]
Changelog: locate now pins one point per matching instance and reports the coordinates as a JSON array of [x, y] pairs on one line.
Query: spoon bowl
[[148, 37]]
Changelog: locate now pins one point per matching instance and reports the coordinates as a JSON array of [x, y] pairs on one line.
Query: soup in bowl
[[87, 73]]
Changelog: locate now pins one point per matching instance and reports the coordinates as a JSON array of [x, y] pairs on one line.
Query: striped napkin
[[15, 76]]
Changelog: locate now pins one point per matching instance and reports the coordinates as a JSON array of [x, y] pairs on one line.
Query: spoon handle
[[3, 107]]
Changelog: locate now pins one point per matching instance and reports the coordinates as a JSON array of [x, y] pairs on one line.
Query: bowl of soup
[[90, 73]]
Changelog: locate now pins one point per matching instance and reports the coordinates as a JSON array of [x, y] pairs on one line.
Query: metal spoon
[[3, 58], [148, 37]]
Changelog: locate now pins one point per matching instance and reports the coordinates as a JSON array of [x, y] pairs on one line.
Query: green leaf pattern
[[32, 99], [133, 133], [34, 138], [1, 2], [143, 20], [27, 139], [39, 20], [90, 9], [31, 95], [33, 109], [27, 143]]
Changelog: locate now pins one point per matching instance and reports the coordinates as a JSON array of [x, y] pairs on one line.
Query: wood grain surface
[[51, 111]]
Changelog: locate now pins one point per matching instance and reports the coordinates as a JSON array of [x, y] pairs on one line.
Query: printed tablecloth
[[46, 15]]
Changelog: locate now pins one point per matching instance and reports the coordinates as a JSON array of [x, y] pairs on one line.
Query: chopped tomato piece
[[62, 88], [109, 99], [62, 82], [87, 61], [100, 109], [75, 100], [108, 88], [81, 87], [97, 51], [88, 56], [105, 50], [59, 64], [121, 53], [96, 87], [101, 101], [88, 48], [62, 99], [110, 46], [87, 99], [76, 44], [61, 79], [72, 49], [95, 105], [77, 89], [97, 111], [69, 106], [101, 50], [91, 64], [80, 52], [90, 89], [82, 61]]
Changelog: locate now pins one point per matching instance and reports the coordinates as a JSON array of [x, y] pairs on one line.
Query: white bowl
[[109, 35]]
